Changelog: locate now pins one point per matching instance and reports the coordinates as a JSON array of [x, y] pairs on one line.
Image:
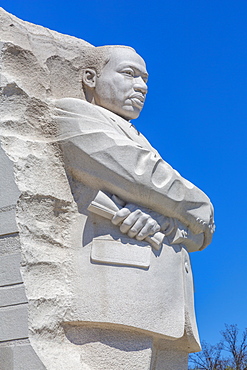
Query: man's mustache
[[138, 96]]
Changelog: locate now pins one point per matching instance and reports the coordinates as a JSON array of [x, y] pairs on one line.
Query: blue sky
[[195, 115]]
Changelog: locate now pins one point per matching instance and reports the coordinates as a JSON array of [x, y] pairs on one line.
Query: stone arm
[[100, 155], [145, 224]]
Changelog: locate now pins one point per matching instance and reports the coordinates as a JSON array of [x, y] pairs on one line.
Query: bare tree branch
[[238, 351], [211, 357]]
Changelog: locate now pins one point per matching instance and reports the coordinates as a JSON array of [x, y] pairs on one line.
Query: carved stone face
[[121, 87]]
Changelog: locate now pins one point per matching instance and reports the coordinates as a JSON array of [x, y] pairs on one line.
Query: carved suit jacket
[[102, 151]]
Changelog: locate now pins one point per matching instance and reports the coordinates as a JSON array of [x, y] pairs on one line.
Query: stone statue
[[134, 283], [103, 225]]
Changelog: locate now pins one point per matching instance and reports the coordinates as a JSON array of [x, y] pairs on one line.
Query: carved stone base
[[111, 349]]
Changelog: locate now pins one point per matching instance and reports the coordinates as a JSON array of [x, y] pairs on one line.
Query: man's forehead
[[121, 57]]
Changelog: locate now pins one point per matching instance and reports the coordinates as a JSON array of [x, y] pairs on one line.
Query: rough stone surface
[[65, 135]]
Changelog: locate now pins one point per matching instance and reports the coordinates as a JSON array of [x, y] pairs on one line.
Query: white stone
[[8, 220], [12, 295], [13, 322], [10, 269], [103, 292], [8, 198], [19, 357], [10, 244]]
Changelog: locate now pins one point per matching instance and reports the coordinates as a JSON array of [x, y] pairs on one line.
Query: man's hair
[[98, 57]]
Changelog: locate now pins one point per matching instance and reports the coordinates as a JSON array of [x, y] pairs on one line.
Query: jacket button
[[186, 266]]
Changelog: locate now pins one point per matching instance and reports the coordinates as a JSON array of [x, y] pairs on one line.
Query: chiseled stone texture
[[45, 205], [105, 349]]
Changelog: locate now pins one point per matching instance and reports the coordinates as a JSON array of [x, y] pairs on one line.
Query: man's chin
[[130, 113], [127, 112]]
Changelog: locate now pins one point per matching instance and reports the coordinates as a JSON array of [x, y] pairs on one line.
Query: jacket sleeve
[[100, 156]]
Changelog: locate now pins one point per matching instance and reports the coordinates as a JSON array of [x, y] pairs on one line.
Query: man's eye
[[128, 73]]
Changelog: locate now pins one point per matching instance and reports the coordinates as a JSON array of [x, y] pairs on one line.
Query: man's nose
[[140, 85]]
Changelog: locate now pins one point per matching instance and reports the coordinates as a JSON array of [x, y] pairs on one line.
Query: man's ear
[[89, 77]]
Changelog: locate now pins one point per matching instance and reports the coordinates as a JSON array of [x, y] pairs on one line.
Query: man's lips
[[138, 100]]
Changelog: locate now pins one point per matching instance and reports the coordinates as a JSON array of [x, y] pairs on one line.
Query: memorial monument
[[103, 225]]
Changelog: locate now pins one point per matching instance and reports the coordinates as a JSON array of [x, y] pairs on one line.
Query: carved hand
[[135, 222], [142, 223]]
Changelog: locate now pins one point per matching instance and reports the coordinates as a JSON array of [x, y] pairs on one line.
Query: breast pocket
[[120, 252]]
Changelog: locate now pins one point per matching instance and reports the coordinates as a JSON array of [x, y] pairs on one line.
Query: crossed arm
[[98, 155], [141, 223]]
